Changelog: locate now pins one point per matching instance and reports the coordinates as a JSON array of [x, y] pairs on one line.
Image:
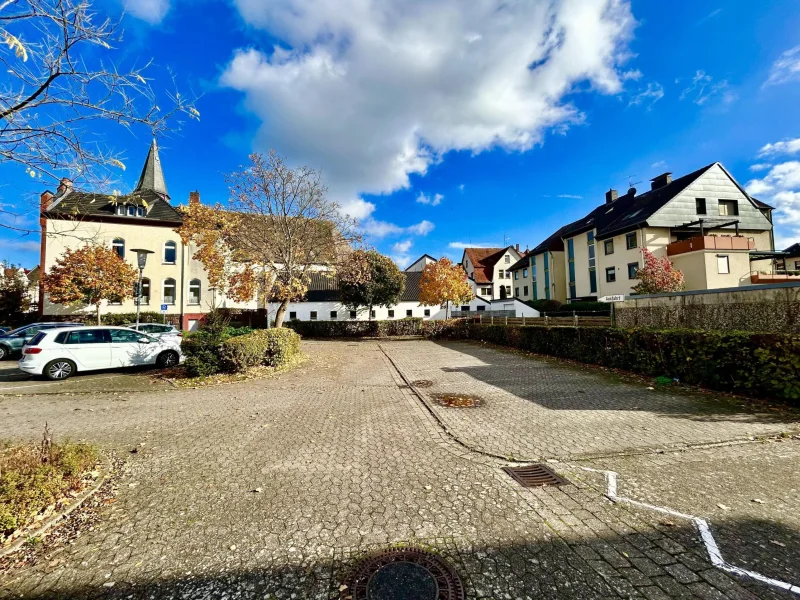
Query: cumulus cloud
[[152, 11], [703, 88], [357, 208], [759, 167], [372, 92], [661, 164], [782, 147], [434, 200], [781, 188], [648, 96], [786, 68], [381, 229], [462, 245]]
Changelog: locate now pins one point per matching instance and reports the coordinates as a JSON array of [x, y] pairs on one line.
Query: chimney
[[64, 186], [517, 248], [194, 197], [44, 200], [660, 181], [611, 195]]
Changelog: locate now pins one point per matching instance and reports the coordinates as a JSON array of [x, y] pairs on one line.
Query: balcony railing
[[711, 242], [776, 276]]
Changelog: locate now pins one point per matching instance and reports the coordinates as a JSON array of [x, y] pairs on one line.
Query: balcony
[[711, 242], [774, 276]]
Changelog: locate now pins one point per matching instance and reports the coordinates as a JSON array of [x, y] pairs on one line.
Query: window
[[89, 336], [353, 314], [728, 208], [508, 290], [124, 337], [465, 308], [313, 315], [131, 210], [630, 241], [427, 312], [501, 274], [141, 211], [516, 274], [508, 274], [61, 338], [409, 313], [508, 259], [391, 313], [118, 245], [333, 314], [632, 268], [169, 291], [486, 291], [481, 308], [292, 315], [571, 258], [592, 263], [120, 210], [546, 277], [611, 274], [170, 252], [516, 292], [524, 273], [797, 265], [145, 296], [524, 290], [608, 247], [36, 339], [700, 203], [723, 264], [194, 291]]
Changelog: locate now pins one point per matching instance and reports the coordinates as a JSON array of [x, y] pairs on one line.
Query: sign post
[[164, 309], [614, 298]]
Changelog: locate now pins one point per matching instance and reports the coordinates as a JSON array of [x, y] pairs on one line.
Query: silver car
[[166, 332]]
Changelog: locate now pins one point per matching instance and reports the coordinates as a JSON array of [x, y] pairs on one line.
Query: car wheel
[[167, 359], [59, 369], [4, 352]]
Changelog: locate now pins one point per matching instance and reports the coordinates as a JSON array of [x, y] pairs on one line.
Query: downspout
[[183, 278]]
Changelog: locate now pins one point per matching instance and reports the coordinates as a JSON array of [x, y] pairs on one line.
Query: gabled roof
[[483, 261], [324, 288], [554, 243], [761, 203], [522, 262], [793, 250], [73, 204], [152, 177]]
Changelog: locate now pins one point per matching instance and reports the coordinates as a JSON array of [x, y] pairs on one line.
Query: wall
[[768, 308], [652, 238], [508, 259], [582, 287]]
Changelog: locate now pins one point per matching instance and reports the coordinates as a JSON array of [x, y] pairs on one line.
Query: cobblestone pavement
[[347, 459], [139, 379], [537, 409]]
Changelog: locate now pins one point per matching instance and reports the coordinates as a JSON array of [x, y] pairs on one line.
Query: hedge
[[358, 329], [268, 347], [762, 365]]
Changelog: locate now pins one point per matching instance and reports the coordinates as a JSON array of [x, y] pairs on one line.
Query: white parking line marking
[[712, 548]]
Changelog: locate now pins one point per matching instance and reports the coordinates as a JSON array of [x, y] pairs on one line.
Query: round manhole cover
[[404, 574], [458, 400]]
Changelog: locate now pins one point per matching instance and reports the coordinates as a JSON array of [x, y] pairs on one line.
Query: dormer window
[[121, 210], [140, 211], [131, 210]]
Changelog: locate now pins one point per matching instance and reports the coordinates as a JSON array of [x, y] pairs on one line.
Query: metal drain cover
[[422, 383], [535, 476], [458, 400], [404, 574]]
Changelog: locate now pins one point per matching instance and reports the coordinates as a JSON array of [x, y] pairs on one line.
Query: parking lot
[[15, 382]]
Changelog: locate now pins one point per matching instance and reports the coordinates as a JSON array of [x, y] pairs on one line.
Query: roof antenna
[[631, 182]]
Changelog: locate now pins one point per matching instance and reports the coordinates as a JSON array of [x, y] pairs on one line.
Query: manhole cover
[[534, 476], [422, 383], [404, 574], [458, 400]]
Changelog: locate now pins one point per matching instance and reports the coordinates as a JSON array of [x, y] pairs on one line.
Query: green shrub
[[763, 365], [123, 318], [358, 329], [545, 306], [269, 347]]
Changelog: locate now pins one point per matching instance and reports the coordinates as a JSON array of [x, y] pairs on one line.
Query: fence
[[545, 320]]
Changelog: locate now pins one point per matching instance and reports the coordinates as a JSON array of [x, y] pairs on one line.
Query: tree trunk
[[98, 313], [280, 313], [370, 312]]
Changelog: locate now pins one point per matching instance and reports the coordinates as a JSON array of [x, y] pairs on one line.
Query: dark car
[[11, 342], [4, 329]]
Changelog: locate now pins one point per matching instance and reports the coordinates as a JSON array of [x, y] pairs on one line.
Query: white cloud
[[460, 187], [659, 164], [782, 147], [402, 247], [781, 188], [152, 11], [573, 196], [759, 167], [381, 229], [648, 97], [434, 200], [786, 68], [421, 228], [703, 89], [462, 245], [372, 92], [358, 209]]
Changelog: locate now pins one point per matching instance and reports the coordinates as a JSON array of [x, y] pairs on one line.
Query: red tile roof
[[483, 260]]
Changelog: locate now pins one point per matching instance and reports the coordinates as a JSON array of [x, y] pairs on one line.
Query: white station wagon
[[59, 353]]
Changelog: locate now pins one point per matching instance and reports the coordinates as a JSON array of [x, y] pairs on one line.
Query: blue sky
[[441, 123]]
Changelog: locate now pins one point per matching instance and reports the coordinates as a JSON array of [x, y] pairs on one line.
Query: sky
[[445, 123]]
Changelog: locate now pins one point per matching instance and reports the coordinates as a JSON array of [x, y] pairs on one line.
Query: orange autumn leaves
[[442, 282]]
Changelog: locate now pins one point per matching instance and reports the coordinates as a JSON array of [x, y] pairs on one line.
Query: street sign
[[164, 308], [614, 298]]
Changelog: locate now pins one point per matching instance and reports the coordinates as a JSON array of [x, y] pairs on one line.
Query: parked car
[[158, 330], [60, 353], [4, 329], [12, 342]]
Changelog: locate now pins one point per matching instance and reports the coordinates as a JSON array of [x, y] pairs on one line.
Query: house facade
[[540, 274], [488, 271]]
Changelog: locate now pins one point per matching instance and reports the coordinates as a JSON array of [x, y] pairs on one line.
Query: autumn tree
[[61, 81], [368, 278], [278, 227], [657, 276], [442, 283], [88, 276], [15, 299]]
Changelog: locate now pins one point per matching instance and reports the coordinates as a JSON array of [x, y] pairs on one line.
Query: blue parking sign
[[164, 308]]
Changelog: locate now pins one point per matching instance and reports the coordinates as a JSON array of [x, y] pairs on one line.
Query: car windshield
[[16, 331]]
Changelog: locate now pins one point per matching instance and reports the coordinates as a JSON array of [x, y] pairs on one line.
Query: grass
[[30, 485]]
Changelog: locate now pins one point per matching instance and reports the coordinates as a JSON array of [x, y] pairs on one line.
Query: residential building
[[488, 270], [420, 264], [705, 222], [540, 274]]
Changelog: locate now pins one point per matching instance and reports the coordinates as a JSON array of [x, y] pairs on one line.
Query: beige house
[[144, 219], [489, 270], [539, 275], [705, 222]]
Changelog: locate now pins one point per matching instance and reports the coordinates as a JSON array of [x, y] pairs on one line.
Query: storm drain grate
[[403, 574], [422, 383], [535, 476]]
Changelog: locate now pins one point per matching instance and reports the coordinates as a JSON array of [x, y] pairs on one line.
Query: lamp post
[[141, 261]]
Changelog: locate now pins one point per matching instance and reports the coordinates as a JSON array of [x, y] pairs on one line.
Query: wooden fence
[[546, 321]]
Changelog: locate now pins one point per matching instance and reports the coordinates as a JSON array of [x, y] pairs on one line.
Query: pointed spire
[[152, 177]]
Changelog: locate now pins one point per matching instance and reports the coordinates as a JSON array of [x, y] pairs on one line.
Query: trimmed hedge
[[358, 329], [763, 365], [268, 347]]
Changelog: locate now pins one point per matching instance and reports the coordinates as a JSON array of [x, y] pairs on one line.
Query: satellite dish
[[632, 191]]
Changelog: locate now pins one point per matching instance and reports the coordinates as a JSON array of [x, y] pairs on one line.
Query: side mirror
[[144, 341]]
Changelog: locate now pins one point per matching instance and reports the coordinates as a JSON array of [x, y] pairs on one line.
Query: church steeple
[[152, 177]]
